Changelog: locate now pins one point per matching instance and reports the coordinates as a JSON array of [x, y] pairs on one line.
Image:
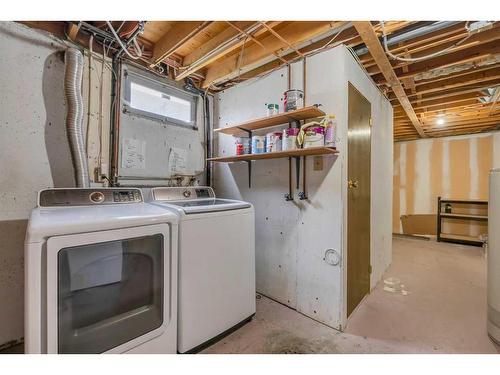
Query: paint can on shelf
[[272, 109], [289, 141], [273, 141], [293, 100], [314, 136], [258, 144]]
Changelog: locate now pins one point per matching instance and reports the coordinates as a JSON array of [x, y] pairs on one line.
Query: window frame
[[130, 77]]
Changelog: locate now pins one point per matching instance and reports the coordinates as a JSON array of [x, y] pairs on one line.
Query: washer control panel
[[181, 193], [88, 197]]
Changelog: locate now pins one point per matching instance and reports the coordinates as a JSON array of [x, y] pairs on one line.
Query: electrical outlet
[[318, 163]]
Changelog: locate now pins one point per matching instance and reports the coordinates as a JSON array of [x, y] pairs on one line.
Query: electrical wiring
[[415, 59], [124, 48]]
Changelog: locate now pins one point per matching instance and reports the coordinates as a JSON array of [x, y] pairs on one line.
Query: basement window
[[155, 100]]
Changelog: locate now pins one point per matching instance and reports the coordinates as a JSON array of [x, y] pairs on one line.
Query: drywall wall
[[292, 237], [452, 167], [159, 140], [34, 150]]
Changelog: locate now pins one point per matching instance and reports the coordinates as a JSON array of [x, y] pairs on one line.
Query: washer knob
[[187, 193], [96, 197]]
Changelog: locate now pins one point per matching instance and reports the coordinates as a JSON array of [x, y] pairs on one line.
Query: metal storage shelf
[[464, 240], [465, 216], [247, 127], [312, 151], [455, 238]]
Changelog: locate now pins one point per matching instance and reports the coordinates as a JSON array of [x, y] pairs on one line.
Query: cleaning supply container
[[330, 131], [272, 109], [314, 136], [289, 141], [258, 144], [273, 141]]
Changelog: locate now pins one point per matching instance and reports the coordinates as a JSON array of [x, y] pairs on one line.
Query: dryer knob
[[96, 197], [187, 193]]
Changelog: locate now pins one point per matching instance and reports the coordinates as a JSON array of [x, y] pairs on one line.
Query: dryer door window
[[109, 293]]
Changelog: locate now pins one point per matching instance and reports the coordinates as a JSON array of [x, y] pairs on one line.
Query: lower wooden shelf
[[461, 239], [311, 151]]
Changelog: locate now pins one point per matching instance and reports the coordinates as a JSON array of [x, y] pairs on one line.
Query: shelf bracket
[[249, 132]]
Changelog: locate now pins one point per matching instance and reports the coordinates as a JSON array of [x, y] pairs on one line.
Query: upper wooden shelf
[[275, 120], [277, 154]]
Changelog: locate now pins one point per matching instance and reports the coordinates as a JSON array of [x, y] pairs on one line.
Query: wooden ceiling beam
[[435, 38], [190, 62], [473, 53], [369, 37], [179, 34], [254, 53], [348, 36]]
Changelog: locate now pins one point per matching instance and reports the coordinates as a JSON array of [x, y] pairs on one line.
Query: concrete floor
[[444, 311]]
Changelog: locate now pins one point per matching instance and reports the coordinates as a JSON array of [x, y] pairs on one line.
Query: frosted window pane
[[159, 103]]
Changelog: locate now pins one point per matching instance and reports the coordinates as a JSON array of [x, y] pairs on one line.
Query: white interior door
[[108, 291]]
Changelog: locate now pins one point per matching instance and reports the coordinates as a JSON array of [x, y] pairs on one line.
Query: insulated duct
[[74, 117]]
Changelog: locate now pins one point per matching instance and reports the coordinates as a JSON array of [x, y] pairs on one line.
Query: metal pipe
[[74, 117], [412, 34]]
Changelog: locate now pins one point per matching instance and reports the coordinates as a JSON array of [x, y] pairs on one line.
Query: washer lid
[[195, 206]]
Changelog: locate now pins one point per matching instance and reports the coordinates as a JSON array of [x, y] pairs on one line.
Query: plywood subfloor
[[444, 312]]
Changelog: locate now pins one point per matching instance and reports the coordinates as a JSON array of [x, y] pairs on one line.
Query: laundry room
[[211, 185]]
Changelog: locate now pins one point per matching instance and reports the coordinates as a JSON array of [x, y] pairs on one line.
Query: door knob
[[352, 184]]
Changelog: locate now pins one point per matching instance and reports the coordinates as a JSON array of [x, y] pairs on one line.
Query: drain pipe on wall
[[190, 86], [74, 117]]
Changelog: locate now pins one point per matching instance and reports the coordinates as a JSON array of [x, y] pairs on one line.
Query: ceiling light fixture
[[440, 121]]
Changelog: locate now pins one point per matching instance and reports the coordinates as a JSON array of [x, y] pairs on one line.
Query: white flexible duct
[[74, 116]]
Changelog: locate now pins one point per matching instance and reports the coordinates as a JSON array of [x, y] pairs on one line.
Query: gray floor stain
[[285, 342]]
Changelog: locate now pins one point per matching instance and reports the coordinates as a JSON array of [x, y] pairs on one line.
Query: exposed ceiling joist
[[254, 53], [220, 45], [175, 38], [369, 37]]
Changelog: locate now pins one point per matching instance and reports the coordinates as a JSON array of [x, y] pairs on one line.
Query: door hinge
[[371, 121], [370, 269]]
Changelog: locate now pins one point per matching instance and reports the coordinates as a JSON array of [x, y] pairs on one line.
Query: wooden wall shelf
[[311, 151], [244, 128]]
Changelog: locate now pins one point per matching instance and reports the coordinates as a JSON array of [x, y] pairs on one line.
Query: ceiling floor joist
[[369, 37]]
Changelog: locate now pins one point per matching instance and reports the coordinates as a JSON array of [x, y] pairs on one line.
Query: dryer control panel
[[182, 193], [88, 197]]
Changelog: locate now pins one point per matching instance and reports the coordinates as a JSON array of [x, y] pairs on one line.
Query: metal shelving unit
[[455, 238]]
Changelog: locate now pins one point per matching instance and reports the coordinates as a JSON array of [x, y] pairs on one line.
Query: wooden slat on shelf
[[464, 216], [275, 120], [277, 154], [457, 238]]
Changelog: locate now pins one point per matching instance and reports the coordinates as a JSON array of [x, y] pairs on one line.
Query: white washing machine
[[100, 273], [216, 263]]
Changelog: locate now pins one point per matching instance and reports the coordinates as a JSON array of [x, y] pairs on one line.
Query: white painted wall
[[292, 237], [34, 149]]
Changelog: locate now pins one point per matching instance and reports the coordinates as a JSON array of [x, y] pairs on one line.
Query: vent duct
[[74, 117]]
